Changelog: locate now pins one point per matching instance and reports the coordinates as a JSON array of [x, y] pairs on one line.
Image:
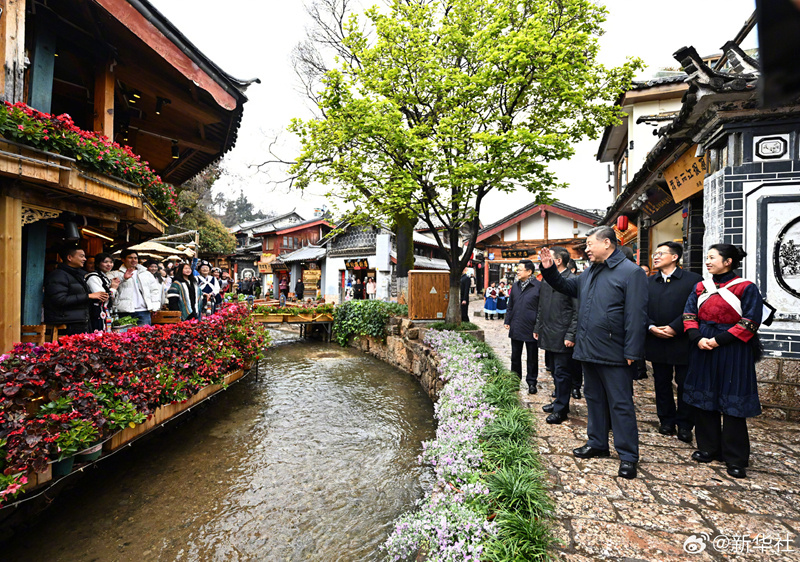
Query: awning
[[155, 249], [309, 253]]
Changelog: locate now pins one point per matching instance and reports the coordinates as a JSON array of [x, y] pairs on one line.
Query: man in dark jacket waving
[[667, 345], [66, 294], [612, 321], [523, 305], [556, 325]]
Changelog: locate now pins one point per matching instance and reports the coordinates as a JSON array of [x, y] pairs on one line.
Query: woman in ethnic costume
[[490, 304], [721, 318], [502, 300], [184, 293]]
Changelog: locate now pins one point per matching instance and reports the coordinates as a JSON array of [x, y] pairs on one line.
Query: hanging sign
[[515, 253], [685, 176], [357, 264]]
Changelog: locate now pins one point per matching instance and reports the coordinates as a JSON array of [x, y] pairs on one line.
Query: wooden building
[[520, 235], [113, 67]]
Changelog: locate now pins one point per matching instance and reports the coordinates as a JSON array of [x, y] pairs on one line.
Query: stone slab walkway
[[676, 509]]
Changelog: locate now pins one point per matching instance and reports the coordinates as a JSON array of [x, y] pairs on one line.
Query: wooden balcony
[[50, 180]]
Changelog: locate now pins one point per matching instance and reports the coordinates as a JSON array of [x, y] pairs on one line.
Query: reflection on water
[[312, 461]]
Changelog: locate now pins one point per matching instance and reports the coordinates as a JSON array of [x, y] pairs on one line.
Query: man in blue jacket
[[612, 322], [523, 305]]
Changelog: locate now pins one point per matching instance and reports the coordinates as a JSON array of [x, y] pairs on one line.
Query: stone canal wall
[[405, 350]]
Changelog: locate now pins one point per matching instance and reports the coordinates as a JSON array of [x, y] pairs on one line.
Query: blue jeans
[[143, 316]]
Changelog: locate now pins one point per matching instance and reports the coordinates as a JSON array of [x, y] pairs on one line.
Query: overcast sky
[[254, 38]]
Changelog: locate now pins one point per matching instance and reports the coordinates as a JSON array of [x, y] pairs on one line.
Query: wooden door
[[428, 294]]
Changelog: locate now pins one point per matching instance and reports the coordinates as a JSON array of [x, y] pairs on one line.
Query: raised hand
[[546, 258]]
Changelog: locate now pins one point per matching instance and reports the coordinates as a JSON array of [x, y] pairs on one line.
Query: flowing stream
[[312, 460]]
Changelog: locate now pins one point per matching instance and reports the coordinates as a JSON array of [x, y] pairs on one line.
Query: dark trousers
[[608, 390], [465, 312], [548, 360], [576, 372], [532, 361], [668, 414], [563, 380], [723, 435], [77, 328]]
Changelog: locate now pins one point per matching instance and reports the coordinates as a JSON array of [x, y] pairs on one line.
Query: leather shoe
[[548, 407], [703, 457], [576, 393], [556, 418], [589, 452], [685, 435], [665, 429], [532, 389], [627, 470], [733, 471], [553, 394]]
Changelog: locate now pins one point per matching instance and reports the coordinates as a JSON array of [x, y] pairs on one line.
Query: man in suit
[[667, 346], [465, 284], [612, 321], [523, 306], [556, 325]]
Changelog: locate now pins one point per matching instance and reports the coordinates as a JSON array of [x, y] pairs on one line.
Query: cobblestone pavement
[[603, 517]]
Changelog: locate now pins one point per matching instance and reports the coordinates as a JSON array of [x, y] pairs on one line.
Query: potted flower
[[76, 436], [123, 324]]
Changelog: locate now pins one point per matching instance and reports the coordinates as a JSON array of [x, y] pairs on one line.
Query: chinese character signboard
[[357, 264], [311, 277], [685, 176], [515, 253]]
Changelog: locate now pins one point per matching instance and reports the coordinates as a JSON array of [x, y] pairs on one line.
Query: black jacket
[[522, 309], [464, 286], [665, 308], [299, 289], [612, 309], [66, 296], [557, 319]]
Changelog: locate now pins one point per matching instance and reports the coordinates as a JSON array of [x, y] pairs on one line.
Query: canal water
[[312, 460]]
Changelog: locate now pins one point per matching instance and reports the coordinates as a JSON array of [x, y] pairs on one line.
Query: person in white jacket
[[138, 293]]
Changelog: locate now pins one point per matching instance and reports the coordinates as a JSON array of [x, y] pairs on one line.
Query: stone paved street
[[603, 517]]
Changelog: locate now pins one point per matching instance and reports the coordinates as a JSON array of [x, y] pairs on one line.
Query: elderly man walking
[[612, 322], [523, 306]]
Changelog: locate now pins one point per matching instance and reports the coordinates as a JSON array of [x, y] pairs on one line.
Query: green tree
[[214, 237], [441, 101], [240, 210]]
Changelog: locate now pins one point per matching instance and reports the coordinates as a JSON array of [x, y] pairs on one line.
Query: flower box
[[299, 318], [323, 318], [35, 479], [269, 318], [166, 412]]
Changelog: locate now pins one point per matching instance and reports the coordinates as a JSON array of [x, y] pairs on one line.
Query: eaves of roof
[[556, 207]]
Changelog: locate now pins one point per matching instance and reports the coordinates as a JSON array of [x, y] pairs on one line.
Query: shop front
[[356, 271]]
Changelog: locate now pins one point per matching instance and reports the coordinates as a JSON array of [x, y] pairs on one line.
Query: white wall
[[559, 227], [642, 134], [532, 228], [510, 233]]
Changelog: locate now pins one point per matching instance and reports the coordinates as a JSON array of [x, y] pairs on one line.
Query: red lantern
[[622, 223]]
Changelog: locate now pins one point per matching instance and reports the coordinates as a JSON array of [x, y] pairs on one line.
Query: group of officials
[[701, 334]]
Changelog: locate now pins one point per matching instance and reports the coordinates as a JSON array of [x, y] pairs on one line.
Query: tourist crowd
[[89, 301], [603, 324]]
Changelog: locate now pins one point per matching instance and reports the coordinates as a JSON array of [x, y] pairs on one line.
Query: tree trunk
[[454, 300], [404, 232]]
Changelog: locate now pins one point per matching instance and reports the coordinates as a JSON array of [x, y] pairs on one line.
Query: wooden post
[[10, 271], [12, 42], [104, 102], [44, 63], [546, 226], [35, 238]]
